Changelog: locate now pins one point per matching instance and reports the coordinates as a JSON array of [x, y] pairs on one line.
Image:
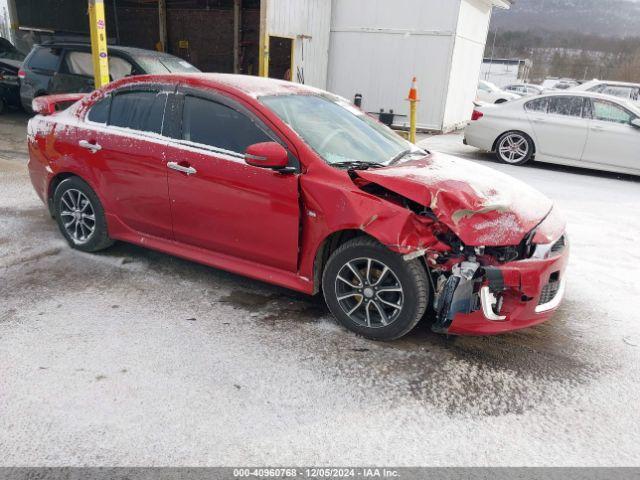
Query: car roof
[[578, 93], [133, 51], [522, 84], [249, 85], [614, 82]]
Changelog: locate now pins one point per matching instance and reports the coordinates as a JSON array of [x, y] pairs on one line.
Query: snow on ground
[[131, 357]]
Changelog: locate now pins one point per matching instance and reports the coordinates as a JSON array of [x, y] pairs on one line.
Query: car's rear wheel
[[373, 291], [501, 100], [80, 216], [514, 148]]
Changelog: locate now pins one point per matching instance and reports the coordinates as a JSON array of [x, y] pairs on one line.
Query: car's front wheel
[[374, 291], [80, 216], [514, 148]]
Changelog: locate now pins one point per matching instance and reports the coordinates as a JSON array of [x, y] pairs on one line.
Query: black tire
[[501, 100], [523, 153], [403, 310], [65, 209]]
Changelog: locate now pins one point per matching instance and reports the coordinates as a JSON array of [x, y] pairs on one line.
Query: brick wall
[[138, 27]]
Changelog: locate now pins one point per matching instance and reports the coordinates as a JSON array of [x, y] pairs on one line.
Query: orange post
[[413, 110]]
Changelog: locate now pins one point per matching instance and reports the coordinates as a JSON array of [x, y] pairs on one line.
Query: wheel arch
[[57, 179], [329, 245]]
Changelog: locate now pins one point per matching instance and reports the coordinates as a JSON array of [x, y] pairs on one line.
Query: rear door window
[[217, 125], [566, 106], [99, 113], [138, 110], [539, 105], [45, 59]]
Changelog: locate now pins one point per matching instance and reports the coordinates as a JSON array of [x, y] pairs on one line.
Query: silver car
[[580, 129]]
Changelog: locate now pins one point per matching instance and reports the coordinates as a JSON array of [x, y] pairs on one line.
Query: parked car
[[297, 187], [625, 90], [491, 93], [9, 84], [9, 52], [67, 67], [10, 61], [524, 89], [554, 83], [580, 129]]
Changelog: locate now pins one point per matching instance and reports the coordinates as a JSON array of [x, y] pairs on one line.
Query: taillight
[[476, 115], [22, 74]]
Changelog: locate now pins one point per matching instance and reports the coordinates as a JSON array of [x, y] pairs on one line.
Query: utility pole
[[99, 52], [237, 11], [162, 28], [263, 58]]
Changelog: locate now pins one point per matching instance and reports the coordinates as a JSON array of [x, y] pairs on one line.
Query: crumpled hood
[[482, 206]]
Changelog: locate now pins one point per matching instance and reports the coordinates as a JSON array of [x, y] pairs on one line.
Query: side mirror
[[267, 155], [635, 122]]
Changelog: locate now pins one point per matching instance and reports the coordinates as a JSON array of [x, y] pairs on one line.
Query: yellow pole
[[413, 121], [413, 110], [263, 58], [99, 43]]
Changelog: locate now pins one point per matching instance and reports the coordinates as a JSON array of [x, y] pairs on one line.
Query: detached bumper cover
[[529, 291]]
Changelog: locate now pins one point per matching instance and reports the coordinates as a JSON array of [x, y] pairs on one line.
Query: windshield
[[339, 132], [159, 64]]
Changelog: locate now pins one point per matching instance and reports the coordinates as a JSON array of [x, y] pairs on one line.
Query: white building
[[378, 46], [375, 47], [505, 71]]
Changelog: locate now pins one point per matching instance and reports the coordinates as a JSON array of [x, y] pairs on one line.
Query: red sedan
[[296, 187]]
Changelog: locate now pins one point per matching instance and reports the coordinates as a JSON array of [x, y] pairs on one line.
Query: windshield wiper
[[356, 165]]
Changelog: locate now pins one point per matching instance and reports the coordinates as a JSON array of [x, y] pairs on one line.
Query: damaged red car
[[297, 187]]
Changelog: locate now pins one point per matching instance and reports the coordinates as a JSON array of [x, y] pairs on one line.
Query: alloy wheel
[[77, 215], [513, 148], [369, 292]]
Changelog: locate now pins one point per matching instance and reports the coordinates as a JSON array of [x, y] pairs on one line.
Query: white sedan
[[491, 93], [628, 91], [580, 129]]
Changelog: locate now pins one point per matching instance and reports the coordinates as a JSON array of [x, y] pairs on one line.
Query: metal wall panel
[[468, 54], [377, 46], [293, 18]]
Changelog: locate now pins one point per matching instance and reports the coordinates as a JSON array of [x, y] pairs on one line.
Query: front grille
[[549, 292], [559, 245]]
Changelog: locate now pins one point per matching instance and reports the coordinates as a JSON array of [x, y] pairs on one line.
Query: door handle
[[176, 166], [94, 147]]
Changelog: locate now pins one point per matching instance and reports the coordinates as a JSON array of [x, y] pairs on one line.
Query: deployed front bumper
[[516, 295]]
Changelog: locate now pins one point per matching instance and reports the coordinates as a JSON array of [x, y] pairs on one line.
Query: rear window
[[142, 111], [46, 59], [567, 106], [538, 105], [159, 64]]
